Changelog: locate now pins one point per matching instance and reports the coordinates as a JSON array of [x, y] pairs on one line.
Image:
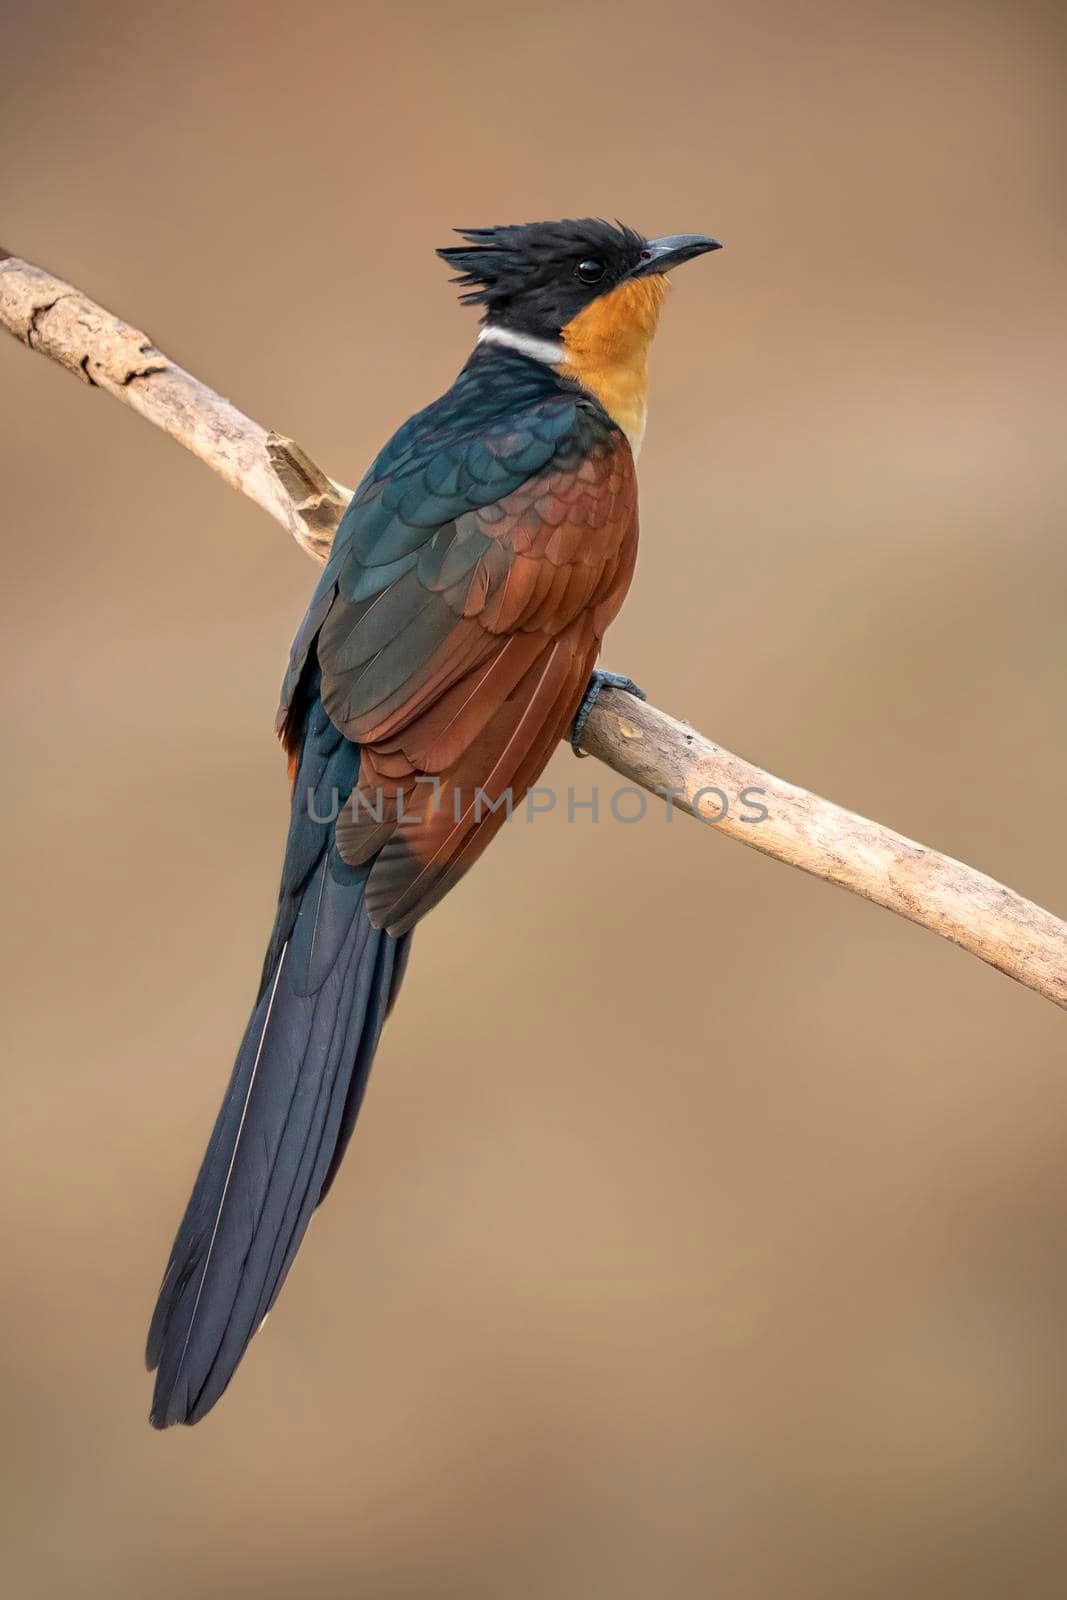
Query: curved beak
[[660, 255]]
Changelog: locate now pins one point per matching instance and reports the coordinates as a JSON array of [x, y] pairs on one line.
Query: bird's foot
[[599, 680]]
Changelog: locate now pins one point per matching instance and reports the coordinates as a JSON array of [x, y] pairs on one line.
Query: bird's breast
[[606, 350]]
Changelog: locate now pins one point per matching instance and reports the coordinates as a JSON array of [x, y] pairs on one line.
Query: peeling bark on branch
[[640, 743], [61, 322], [801, 828]]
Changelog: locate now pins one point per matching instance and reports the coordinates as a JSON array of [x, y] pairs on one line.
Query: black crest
[[537, 276]]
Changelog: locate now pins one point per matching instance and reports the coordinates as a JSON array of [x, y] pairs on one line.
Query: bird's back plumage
[[458, 622]]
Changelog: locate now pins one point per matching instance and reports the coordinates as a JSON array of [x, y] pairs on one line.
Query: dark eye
[[590, 271]]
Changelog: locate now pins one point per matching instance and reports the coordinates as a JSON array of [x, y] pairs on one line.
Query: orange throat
[[606, 350]]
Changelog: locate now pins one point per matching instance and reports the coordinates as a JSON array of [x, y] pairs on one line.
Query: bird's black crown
[[535, 277]]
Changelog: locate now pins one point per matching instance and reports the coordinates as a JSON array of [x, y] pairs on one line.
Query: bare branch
[[640, 743], [951, 899], [101, 350]]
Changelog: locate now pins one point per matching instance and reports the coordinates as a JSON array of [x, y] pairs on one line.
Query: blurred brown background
[[706, 1229]]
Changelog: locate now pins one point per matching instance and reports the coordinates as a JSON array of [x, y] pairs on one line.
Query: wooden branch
[[643, 745], [61, 322], [941, 894]]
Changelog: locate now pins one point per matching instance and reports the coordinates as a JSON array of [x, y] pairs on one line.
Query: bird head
[[582, 296], [538, 277]]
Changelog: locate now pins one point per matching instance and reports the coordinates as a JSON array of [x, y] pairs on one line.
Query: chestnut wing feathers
[[455, 627]]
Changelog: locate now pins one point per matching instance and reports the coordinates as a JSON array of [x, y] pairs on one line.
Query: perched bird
[[450, 644]]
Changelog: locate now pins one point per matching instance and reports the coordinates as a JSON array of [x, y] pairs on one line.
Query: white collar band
[[527, 344]]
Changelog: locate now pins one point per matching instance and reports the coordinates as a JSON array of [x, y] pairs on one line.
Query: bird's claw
[[599, 680]]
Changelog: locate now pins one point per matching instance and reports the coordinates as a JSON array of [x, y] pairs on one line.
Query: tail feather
[[292, 1102], [392, 960]]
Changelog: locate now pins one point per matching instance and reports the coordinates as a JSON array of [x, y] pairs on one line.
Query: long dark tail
[[328, 982]]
